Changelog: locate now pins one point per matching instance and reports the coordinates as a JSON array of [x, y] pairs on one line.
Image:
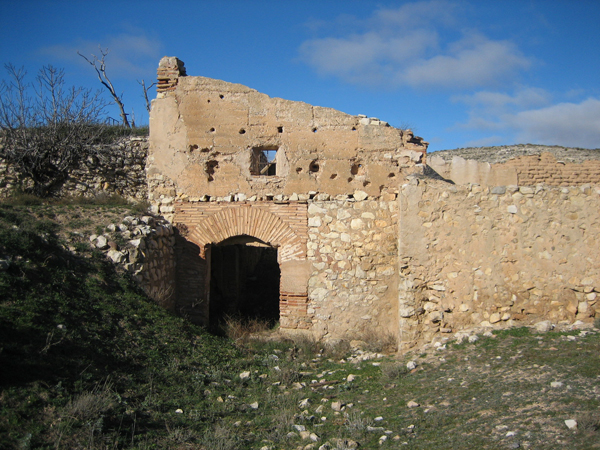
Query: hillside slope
[[503, 153], [87, 361]]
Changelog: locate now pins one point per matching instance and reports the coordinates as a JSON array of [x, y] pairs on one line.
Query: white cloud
[[403, 46], [469, 63], [130, 54], [529, 116], [567, 124], [498, 102]]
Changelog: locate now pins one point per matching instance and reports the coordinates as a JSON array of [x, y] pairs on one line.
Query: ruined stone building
[[333, 224], [286, 211]]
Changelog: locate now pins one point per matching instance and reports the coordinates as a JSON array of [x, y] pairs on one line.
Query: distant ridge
[[502, 153]]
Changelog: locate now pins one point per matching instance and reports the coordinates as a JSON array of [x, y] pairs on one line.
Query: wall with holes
[[214, 141], [317, 184]]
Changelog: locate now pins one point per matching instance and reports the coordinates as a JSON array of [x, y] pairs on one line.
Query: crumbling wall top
[[214, 139], [170, 68]]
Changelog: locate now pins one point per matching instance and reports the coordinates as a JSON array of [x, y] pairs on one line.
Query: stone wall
[[118, 169], [472, 256], [143, 246], [352, 248], [229, 165]]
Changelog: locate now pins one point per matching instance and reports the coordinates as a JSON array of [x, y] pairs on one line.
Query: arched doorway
[[244, 281]]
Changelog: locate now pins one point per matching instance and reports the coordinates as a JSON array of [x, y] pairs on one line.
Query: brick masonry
[[280, 225]]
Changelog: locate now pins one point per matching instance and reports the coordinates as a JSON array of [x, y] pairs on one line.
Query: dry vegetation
[[86, 361]]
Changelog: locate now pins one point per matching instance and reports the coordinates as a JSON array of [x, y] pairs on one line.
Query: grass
[[87, 361]]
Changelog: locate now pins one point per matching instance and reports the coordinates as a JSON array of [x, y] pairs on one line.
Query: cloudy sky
[[459, 73]]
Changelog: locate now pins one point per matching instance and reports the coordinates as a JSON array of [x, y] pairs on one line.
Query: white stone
[[356, 224], [406, 312], [494, 318], [304, 403], [543, 326], [412, 404], [337, 406], [360, 195], [314, 222], [115, 255], [101, 242], [571, 424], [411, 365], [512, 209], [314, 209], [137, 243], [244, 375]]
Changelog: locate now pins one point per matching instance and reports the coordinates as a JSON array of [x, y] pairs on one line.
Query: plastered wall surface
[[205, 135], [472, 256], [524, 170]]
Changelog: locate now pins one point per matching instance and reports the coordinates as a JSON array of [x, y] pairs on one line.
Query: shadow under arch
[[208, 229], [244, 282]]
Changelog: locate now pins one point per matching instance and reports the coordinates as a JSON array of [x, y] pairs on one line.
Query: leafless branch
[[45, 128], [143, 84], [99, 66]]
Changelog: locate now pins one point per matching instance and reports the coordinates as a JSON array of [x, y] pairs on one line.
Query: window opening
[[264, 161]]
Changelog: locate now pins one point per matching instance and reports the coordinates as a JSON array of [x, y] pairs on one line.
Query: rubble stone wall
[[472, 256], [352, 247], [119, 169]]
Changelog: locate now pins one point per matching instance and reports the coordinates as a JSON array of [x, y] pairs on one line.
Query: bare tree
[[46, 129], [99, 66], [143, 84]]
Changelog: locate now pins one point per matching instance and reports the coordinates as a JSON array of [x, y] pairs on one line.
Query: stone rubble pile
[[145, 248]]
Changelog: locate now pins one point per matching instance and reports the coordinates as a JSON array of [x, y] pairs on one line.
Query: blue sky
[[459, 73]]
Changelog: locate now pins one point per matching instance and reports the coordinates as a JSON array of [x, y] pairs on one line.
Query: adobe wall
[[205, 133], [473, 256], [525, 165]]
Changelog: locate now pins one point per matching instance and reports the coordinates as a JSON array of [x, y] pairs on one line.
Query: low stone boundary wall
[[472, 256], [120, 169]]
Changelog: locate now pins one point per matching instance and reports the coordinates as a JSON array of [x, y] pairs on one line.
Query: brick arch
[[255, 222]]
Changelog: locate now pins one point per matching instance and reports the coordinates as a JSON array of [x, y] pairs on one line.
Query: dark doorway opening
[[244, 282]]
